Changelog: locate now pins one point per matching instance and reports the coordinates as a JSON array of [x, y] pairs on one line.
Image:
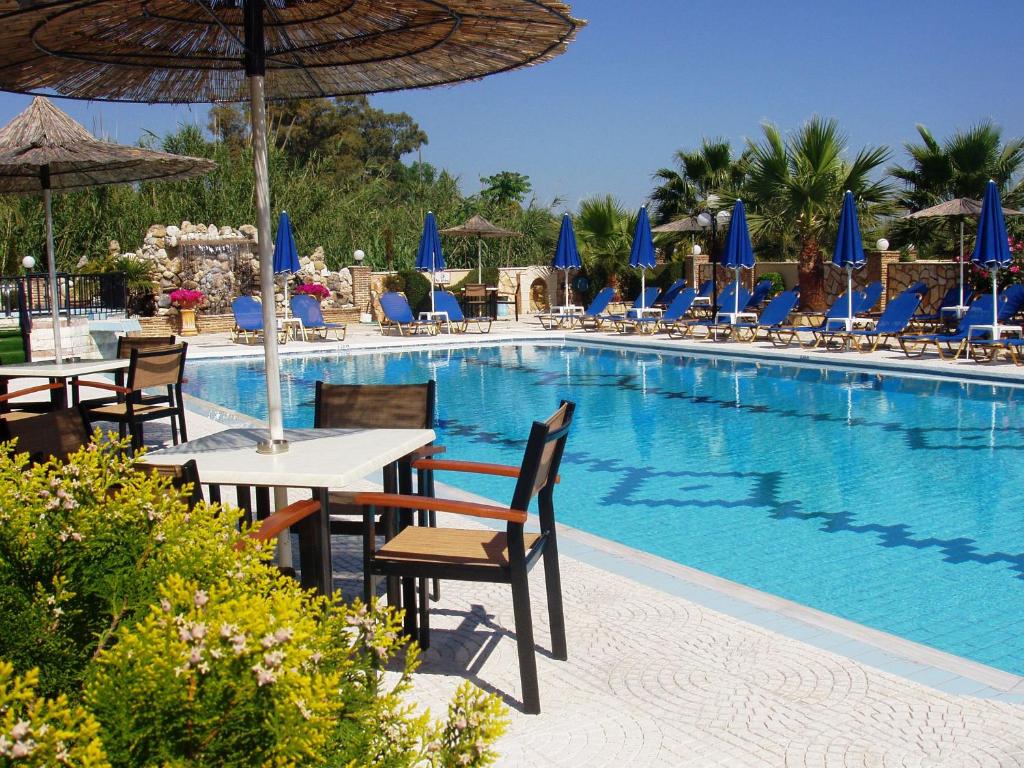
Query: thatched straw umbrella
[[480, 228], [43, 149], [183, 51]]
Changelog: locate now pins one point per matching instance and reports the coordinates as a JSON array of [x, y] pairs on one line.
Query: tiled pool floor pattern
[[880, 499]]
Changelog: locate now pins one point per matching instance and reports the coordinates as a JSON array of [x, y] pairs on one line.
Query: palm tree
[[957, 167], [605, 232], [794, 190], [712, 169]]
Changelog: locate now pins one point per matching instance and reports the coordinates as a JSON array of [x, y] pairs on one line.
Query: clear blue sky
[[648, 77]]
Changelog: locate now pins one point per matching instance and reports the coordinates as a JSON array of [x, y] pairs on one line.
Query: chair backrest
[[1014, 301], [248, 313], [727, 298], [375, 406], [706, 288], [539, 470], [125, 344], [601, 301], [680, 304], [396, 308], [759, 294], [646, 299], [869, 297], [180, 475], [898, 313], [57, 434], [919, 287], [840, 307], [163, 366], [952, 297], [445, 301], [475, 291], [978, 313], [777, 310], [307, 310], [669, 294]]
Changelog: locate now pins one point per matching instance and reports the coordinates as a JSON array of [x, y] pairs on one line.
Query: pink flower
[[1015, 269], [187, 299], [315, 290]]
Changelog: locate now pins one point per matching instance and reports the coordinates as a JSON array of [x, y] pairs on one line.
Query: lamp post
[[706, 220], [358, 255], [29, 263]]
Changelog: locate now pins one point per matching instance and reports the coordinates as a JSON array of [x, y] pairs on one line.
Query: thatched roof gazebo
[[480, 228]]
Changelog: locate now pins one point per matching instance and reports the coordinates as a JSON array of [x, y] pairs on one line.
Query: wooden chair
[[484, 555], [13, 408], [43, 436], [159, 367], [125, 345], [378, 406]]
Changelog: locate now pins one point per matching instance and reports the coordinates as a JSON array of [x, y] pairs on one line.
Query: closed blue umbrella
[[286, 255], [739, 251], [567, 255], [429, 257], [641, 254], [849, 250], [992, 247]]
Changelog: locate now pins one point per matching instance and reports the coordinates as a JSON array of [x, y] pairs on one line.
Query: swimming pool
[[889, 501]]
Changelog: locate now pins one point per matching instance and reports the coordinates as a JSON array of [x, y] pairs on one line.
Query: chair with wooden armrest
[[43, 436], [125, 345], [12, 408], [377, 406], [484, 555], [158, 367]]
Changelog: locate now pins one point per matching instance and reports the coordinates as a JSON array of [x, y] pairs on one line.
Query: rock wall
[[223, 263]]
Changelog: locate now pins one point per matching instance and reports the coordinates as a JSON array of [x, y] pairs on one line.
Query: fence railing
[[82, 295]]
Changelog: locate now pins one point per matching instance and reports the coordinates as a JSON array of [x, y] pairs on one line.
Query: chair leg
[[553, 585], [424, 611], [524, 641]]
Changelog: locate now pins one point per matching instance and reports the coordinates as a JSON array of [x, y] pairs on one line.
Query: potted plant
[[186, 301], [317, 291]]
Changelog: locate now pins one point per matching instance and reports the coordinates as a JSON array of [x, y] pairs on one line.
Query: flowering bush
[[980, 279], [317, 291], [187, 299], [187, 646]]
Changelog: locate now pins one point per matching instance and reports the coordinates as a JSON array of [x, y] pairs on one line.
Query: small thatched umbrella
[[688, 224], [42, 149], [480, 228], [184, 51]]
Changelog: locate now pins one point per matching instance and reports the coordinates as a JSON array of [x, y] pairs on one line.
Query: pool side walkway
[[673, 667]]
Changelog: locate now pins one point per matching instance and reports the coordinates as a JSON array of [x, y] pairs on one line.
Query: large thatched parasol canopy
[[187, 51], [43, 138], [687, 224], [960, 206]]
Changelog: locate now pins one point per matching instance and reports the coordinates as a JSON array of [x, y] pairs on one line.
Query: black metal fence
[[83, 295]]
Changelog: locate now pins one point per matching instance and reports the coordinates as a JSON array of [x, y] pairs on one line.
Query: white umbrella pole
[[849, 298], [643, 289], [51, 258], [432, 282], [566, 271], [479, 262], [961, 263], [995, 305], [273, 364], [736, 295]]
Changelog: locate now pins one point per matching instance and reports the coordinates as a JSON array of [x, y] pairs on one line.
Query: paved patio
[[671, 667]]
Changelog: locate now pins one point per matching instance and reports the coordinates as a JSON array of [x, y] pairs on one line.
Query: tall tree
[[605, 230], [794, 192], [711, 170], [958, 167], [505, 188]]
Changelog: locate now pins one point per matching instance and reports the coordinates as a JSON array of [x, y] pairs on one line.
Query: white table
[[638, 312], [320, 459], [291, 327], [568, 309], [436, 317], [736, 317], [958, 310], [67, 370]]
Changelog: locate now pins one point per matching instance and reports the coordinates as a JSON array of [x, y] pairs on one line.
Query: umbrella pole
[[479, 262], [51, 259], [961, 263], [566, 271], [736, 295], [995, 305], [849, 298], [432, 284], [643, 289]]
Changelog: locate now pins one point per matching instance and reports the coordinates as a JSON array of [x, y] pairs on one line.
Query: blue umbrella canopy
[[849, 250], [739, 251], [286, 255], [429, 257], [567, 255], [992, 246], [641, 254]]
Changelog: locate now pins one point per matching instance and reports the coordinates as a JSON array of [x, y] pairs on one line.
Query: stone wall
[[940, 276], [223, 263]]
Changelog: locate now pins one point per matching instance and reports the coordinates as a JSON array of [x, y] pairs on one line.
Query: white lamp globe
[[358, 255], [723, 217], [28, 262], [704, 220], [882, 244], [695, 250]]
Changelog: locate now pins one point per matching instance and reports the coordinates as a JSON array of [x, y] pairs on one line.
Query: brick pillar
[[695, 266], [361, 287], [878, 269]]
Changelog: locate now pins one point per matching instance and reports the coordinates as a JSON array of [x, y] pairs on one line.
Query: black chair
[[43, 436], [159, 367], [484, 555]]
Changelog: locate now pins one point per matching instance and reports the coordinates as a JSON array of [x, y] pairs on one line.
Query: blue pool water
[[893, 502]]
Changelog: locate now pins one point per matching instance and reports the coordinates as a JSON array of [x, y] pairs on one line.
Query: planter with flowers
[[317, 291], [187, 301]]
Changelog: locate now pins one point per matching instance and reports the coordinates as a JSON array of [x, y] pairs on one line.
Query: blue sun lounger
[[248, 314], [951, 299], [893, 322], [979, 313], [645, 299], [398, 315], [784, 335], [775, 313], [445, 301], [669, 294], [676, 311], [551, 320], [307, 310], [758, 296], [726, 301]]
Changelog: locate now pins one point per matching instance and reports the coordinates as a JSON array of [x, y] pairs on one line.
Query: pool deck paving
[[672, 667]]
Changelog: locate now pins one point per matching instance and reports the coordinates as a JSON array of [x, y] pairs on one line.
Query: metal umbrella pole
[[961, 266], [51, 258]]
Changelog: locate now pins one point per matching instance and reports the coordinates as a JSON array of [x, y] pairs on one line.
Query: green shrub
[[417, 289], [187, 645], [778, 284], [44, 732], [668, 274], [489, 276]]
